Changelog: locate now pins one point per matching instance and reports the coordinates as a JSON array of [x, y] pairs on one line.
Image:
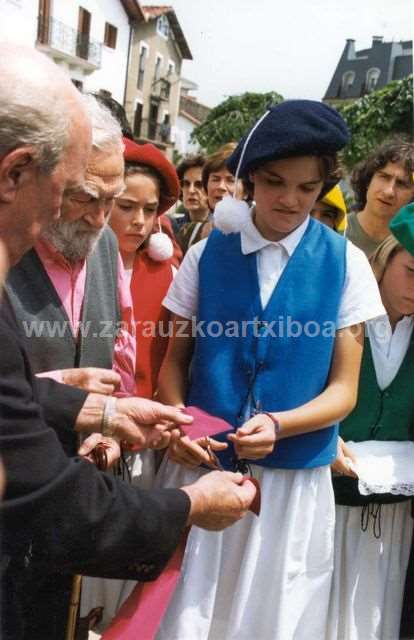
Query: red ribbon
[[142, 612]]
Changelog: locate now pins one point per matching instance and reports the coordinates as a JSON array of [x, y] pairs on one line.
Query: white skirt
[[103, 592], [369, 575], [266, 577]]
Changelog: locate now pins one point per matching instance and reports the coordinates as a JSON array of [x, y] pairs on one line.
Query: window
[[138, 119], [348, 80], [43, 24], [163, 27], [84, 28], [171, 68], [111, 33], [141, 65], [164, 89], [372, 79], [157, 70]]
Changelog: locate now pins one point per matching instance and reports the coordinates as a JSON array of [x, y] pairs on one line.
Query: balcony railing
[[151, 130], [161, 89], [63, 38]]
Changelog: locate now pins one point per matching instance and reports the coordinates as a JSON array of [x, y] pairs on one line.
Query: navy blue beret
[[292, 128]]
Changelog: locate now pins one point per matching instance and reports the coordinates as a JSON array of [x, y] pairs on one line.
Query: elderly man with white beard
[[78, 305]]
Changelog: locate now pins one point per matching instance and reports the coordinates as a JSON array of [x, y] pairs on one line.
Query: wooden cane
[[101, 460], [73, 608]]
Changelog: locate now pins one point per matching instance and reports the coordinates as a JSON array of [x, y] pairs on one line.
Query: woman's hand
[[255, 439], [341, 464], [192, 453]]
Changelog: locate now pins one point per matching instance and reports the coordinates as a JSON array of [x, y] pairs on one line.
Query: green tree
[[376, 117], [231, 119]]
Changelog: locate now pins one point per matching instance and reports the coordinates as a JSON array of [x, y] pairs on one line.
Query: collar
[[48, 254], [252, 240], [380, 323]]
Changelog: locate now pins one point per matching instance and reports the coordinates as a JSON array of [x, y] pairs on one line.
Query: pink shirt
[[69, 281]]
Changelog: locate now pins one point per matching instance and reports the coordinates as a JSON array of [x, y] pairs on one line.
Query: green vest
[[382, 415], [378, 415]]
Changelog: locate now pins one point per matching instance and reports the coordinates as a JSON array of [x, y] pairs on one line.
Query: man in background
[[383, 183]]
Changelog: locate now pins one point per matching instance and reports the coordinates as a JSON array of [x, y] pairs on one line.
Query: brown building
[[158, 48]]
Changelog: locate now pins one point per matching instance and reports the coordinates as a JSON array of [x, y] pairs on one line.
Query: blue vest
[[255, 358]]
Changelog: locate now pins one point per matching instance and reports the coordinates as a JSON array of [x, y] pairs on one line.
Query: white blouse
[[360, 300]]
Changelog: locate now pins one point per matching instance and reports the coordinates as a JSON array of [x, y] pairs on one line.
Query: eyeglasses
[[197, 184]]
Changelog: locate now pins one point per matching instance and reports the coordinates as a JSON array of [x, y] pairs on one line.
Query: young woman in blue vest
[[373, 533], [270, 306]]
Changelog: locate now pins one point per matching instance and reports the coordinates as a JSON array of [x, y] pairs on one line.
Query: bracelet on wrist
[[108, 426], [275, 421]]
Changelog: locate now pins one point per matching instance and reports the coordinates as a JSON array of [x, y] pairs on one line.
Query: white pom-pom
[[160, 247], [230, 215]]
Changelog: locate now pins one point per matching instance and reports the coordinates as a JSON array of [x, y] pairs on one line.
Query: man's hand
[[93, 379], [112, 448], [137, 421], [192, 453], [145, 423], [255, 439], [219, 499], [341, 464]]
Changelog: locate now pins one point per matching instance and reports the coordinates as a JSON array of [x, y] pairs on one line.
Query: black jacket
[[60, 513]]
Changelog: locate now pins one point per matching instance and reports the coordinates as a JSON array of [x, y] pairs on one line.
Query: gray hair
[[106, 130], [29, 118]]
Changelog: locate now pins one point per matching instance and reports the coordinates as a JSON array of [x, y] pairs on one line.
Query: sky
[[288, 46]]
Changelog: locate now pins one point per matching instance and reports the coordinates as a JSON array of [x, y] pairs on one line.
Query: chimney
[[377, 40], [350, 49]]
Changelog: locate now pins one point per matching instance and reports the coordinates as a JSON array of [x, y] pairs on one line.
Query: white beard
[[74, 240]]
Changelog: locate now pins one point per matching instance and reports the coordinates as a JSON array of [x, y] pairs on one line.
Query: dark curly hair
[[188, 162], [217, 161], [395, 150]]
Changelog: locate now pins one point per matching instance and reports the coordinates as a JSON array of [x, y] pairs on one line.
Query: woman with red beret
[[151, 188]]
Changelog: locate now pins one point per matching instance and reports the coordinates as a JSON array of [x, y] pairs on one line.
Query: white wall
[[18, 21], [183, 130], [112, 74], [19, 24]]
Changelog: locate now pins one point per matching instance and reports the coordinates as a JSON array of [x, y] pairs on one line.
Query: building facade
[[191, 113], [153, 89], [90, 38], [361, 72]]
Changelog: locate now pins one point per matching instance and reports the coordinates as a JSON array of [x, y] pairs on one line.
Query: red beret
[[148, 154]]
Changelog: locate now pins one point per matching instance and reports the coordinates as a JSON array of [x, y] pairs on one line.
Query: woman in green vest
[[373, 532]]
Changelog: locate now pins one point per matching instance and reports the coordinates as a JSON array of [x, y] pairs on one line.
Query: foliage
[[231, 119], [177, 157], [385, 113]]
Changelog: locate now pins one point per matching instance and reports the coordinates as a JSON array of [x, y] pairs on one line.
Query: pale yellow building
[[158, 48]]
